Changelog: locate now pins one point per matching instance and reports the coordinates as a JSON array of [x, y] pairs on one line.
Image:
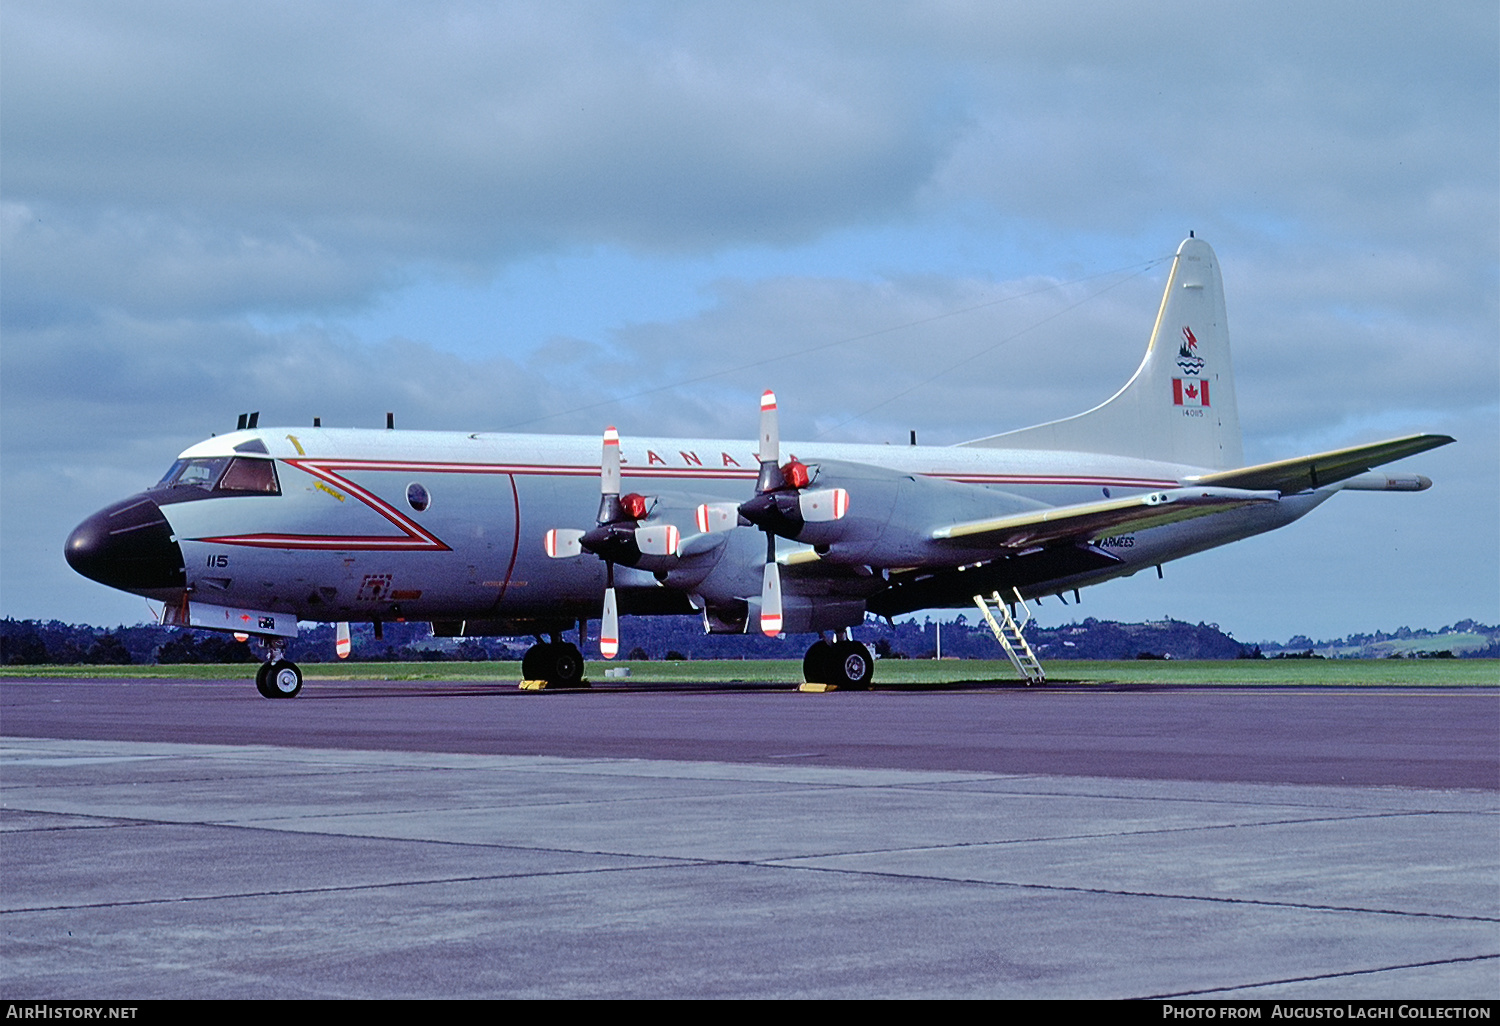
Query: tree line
[[51, 642]]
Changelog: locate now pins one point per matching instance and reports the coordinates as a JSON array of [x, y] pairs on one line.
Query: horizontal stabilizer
[[1090, 520], [1325, 468]]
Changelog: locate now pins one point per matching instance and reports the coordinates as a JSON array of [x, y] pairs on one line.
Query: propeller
[[617, 537], [341, 643], [782, 505]]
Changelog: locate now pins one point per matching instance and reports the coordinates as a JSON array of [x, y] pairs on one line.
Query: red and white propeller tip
[[770, 429], [770, 600], [658, 539], [562, 542], [717, 516], [609, 627], [609, 463], [824, 505]]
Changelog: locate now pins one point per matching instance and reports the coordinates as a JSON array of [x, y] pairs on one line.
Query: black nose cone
[[128, 546]]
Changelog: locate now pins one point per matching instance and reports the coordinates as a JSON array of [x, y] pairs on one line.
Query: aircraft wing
[[1325, 468], [1090, 520]]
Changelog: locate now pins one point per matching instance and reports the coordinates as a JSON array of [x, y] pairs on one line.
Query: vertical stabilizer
[[1179, 406]]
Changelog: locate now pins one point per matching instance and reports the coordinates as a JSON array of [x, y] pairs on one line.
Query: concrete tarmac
[[191, 840]]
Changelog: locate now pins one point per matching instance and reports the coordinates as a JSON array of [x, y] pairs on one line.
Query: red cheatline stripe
[[656, 470], [415, 538]]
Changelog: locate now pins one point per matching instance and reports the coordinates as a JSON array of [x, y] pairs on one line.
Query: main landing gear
[[278, 677], [843, 664], [559, 664]]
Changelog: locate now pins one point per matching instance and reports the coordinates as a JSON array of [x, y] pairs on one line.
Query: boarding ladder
[[1008, 633]]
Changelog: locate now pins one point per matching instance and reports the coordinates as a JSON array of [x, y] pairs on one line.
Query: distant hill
[[1167, 639], [1463, 640], [53, 642]]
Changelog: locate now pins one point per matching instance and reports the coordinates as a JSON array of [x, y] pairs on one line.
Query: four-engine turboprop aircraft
[[488, 534]]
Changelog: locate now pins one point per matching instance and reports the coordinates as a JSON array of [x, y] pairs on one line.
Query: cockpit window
[[219, 475], [199, 473], [171, 473], [247, 475]]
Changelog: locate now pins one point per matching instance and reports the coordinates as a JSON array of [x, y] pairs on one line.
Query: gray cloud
[[275, 142]]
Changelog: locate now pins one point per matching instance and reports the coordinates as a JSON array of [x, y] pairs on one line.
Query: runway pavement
[[370, 840]]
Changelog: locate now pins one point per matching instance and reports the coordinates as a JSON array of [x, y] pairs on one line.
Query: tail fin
[[1179, 406]]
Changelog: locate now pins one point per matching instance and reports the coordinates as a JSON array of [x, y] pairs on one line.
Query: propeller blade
[[609, 627], [823, 505], [658, 539], [717, 516], [609, 463], [770, 601], [562, 542], [341, 643], [770, 429]]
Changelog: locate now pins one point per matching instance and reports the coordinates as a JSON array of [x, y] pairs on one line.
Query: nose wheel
[[279, 678]]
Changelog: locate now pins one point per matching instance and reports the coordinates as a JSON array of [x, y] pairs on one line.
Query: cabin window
[[248, 475], [417, 497]]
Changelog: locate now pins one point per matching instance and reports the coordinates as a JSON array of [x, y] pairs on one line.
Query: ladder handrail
[[1009, 634]]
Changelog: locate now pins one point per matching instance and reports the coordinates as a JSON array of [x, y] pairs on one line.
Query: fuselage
[[357, 525]]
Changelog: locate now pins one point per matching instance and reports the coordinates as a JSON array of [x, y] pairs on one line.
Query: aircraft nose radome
[[128, 546]]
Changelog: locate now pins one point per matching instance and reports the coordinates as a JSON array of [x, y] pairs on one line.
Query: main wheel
[[566, 666], [559, 664], [852, 666], [263, 681], [283, 679], [534, 662], [817, 665]]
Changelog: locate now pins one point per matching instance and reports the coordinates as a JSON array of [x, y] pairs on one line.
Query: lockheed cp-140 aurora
[[489, 534]]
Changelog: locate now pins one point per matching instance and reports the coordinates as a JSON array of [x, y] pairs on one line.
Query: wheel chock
[[813, 688], [546, 685]]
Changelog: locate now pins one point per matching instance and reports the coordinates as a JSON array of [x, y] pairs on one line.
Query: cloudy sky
[[941, 216]]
